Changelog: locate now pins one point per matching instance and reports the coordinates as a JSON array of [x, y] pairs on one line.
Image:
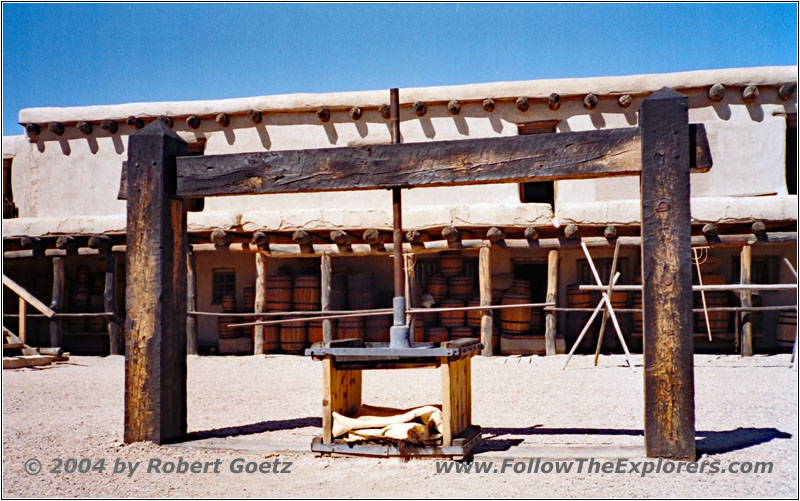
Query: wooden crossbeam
[[542, 157]]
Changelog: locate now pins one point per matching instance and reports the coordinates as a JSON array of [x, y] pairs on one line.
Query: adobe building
[[61, 182]]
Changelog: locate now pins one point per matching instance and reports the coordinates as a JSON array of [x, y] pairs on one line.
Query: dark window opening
[[603, 267], [791, 153], [223, 284], [541, 192], [9, 209], [763, 269]]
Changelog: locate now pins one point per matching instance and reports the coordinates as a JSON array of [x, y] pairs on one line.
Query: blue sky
[[81, 54]]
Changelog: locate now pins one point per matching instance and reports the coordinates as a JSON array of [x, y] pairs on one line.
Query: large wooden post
[[191, 302], [669, 426], [325, 297], [114, 340], [746, 262], [155, 358], [56, 300], [552, 294], [485, 288]]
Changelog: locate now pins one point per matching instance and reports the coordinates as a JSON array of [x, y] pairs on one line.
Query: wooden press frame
[[160, 181]]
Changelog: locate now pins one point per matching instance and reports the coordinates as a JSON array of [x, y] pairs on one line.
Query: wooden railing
[[26, 298]]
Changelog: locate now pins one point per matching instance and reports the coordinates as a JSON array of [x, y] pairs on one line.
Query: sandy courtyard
[[268, 409]]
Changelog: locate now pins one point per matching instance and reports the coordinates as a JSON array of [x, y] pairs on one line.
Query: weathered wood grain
[[570, 155], [669, 426], [155, 361], [746, 263], [191, 303], [485, 290], [260, 304], [244, 173], [552, 295]]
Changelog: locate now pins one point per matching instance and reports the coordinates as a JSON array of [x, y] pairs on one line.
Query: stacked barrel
[[450, 288], [96, 304], [576, 321], [228, 306], [278, 299], [719, 321], [80, 298], [519, 323], [305, 297], [360, 296]]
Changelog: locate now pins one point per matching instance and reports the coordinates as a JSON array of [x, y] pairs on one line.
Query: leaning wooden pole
[[552, 294], [746, 262], [155, 362], [669, 425]]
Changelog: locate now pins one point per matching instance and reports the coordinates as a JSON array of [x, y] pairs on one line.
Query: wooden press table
[[343, 362]]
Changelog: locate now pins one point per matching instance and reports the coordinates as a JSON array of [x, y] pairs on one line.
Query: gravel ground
[[747, 410]]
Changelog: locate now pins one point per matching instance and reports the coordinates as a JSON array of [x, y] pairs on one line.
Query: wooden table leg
[[456, 398], [342, 394]]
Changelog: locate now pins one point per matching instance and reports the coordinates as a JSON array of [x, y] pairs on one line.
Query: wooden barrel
[[437, 287], [272, 341], [718, 320], [637, 317], [537, 321], [79, 299], [377, 329], [361, 291], [450, 264], [577, 298], [99, 283], [305, 295], [787, 328], [350, 328], [421, 327], [250, 297], [474, 316], [294, 336], [279, 293], [315, 331], [452, 319], [96, 305], [225, 332], [338, 300], [437, 335], [229, 303], [516, 320], [462, 332], [431, 318], [460, 288]]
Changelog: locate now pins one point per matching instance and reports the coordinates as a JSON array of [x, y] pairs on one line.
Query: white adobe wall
[[68, 184]]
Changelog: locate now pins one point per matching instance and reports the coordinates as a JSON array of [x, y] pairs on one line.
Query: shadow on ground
[[261, 427], [503, 439], [708, 442]]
